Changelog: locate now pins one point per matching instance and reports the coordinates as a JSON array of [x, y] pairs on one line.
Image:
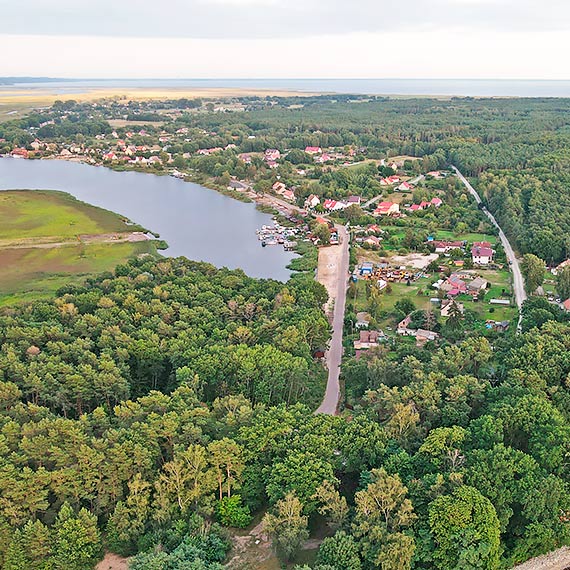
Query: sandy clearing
[[327, 271], [415, 260], [557, 560], [112, 562]]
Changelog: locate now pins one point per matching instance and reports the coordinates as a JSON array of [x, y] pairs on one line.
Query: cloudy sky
[[286, 38]]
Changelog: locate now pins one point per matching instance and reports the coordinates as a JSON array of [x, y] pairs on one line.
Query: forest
[[151, 410]]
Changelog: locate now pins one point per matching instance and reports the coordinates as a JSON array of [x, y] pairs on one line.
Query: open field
[[17, 102], [39, 213], [39, 246]]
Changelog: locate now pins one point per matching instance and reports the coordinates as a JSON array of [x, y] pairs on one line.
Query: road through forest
[[329, 404]]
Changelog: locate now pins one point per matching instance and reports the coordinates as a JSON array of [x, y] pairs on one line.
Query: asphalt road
[[329, 404], [518, 281]]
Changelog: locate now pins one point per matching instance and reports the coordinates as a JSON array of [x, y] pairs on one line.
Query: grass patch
[[42, 213], [29, 274]]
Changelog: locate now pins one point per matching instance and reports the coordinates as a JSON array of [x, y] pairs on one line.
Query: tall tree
[[383, 512], [287, 526]]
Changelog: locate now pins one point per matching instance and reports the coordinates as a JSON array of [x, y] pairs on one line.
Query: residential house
[[237, 185], [362, 320], [313, 150], [271, 155], [354, 200], [245, 158], [387, 209], [478, 284], [390, 180], [454, 285], [278, 187], [447, 246], [289, 195], [405, 187], [423, 336], [323, 158], [566, 305], [482, 253], [20, 153], [368, 339], [436, 202], [312, 201], [446, 305], [372, 241]]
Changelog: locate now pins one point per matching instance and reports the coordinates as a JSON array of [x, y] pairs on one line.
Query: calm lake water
[[196, 222]]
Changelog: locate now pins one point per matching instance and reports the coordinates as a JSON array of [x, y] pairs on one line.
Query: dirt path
[[48, 243]]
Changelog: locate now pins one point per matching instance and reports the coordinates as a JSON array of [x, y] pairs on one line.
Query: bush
[[231, 512]]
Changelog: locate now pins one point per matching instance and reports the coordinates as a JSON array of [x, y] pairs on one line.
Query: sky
[[510, 39]]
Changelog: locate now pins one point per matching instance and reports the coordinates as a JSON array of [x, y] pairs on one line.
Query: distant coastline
[[391, 87]]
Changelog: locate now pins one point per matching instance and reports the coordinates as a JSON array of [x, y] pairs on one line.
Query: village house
[[374, 229], [278, 187], [405, 187], [478, 284], [368, 339], [454, 285], [387, 209], [245, 158], [272, 164], [389, 180], [238, 186], [288, 195], [566, 305], [313, 150], [312, 201], [333, 205], [323, 158], [354, 200], [482, 253], [271, 155], [20, 153], [446, 305], [423, 336], [372, 241], [362, 320], [437, 202], [435, 174], [447, 246]]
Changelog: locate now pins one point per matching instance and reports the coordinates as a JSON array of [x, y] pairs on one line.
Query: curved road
[[518, 282], [329, 404]]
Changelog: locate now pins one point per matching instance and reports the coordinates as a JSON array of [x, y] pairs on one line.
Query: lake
[[196, 222]]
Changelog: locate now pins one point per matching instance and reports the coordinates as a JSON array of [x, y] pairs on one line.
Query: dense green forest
[[148, 410]]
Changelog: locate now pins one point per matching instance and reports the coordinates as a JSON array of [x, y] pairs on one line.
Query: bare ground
[[557, 560], [112, 562], [415, 260], [327, 272]]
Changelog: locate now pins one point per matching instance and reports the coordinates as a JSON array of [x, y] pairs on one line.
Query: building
[[368, 339], [405, 187], [387, 209], [482, 253], [436, 202], [271, 155], [312, 201], [478, 284], [446, 305], [447, 246], [313, 150]]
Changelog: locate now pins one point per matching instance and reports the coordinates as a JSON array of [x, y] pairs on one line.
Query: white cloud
[[452, 53]]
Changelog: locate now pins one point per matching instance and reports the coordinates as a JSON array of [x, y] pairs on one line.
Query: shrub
[[231, 512]]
